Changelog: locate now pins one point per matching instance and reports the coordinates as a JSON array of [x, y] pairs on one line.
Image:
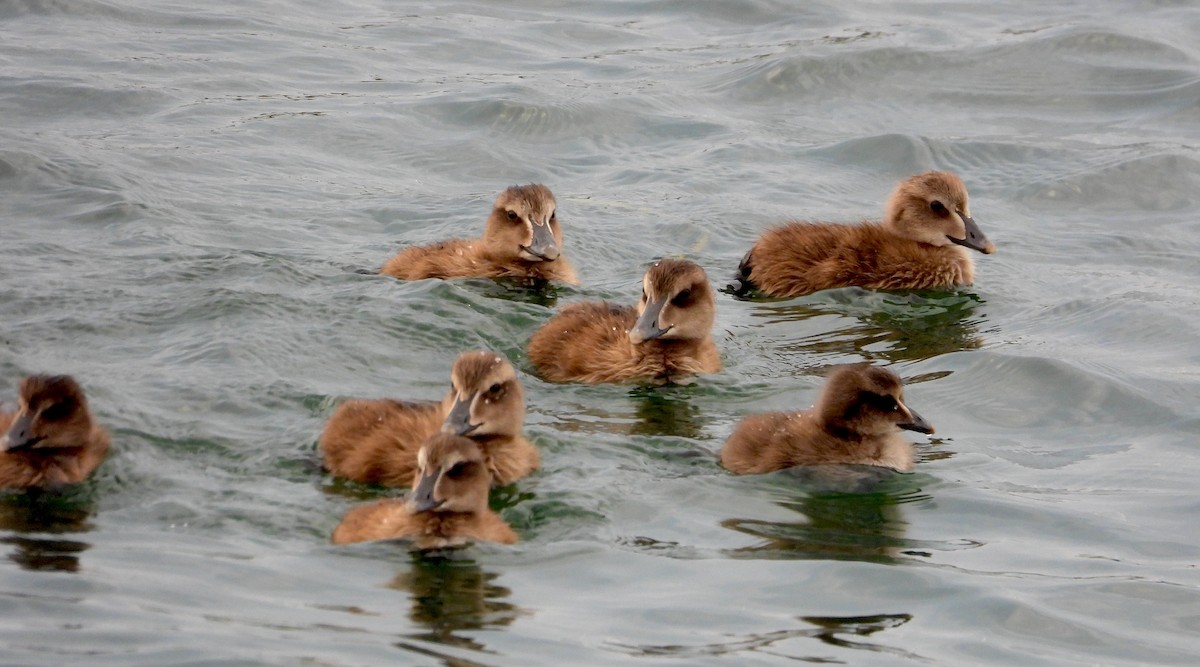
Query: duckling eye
[[457, 470], [512, 215], [937, 207], [553, 216], [495, 390], [682, 299], [56, 412]]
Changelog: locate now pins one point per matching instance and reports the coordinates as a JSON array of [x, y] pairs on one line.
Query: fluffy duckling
[[448, 505], [921, 243], [856, 419], [667, 338], [51, 439], [522, 240], [376, 441]]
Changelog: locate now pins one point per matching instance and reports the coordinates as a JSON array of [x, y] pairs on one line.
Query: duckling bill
[[376, 441], [923, 242], [447, 506], [52, 438], [522, 239], [666, 338], [856, 420]]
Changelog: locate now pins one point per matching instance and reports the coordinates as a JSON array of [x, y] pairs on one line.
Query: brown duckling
[[448, 505], [921, 243], [522, 240], [376, 441], [51, 439], [856, 419], [667, 338]]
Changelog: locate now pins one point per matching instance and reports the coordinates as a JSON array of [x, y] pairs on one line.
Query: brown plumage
[[667, 338], [376, 441], [51, 439], [856, 419], [522, 239], [448, 505], [921, 243]]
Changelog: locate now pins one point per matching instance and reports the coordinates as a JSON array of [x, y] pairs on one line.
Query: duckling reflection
[[522, 240], [450, 595], [839, 526], [666, 339], [52, 439], [829, 631], [884, 326], [376, 441], [670, 413], [922, 243], [41, 513]]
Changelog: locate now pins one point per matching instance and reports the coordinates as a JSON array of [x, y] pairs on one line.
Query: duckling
[[920, 244], [376, 441], [448, 505], [522, 240], [667, 338], [51, 439], [856, 419]]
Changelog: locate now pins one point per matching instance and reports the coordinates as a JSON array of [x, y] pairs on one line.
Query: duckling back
[[447, 505], [856, 420], [52, 438], [522, 239], [921, 244], [667, 338]]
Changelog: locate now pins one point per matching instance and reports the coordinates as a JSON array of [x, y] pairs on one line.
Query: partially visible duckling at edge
[[448, 505], [51, 439], [921, 243], [376, 441], [667, 338], [856, 419], [522, 240]]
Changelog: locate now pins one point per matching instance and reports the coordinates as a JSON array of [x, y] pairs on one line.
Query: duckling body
[[447, 506], [666, 338], [51, 439], [376, 441], [522, 239], [922, 243], [856, 420]]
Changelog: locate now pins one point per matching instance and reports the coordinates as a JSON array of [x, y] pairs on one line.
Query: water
[[187, 191]]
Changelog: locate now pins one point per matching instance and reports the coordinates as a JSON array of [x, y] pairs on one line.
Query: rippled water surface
[[188, 191]]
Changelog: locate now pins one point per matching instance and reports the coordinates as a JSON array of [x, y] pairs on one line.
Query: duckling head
[[451, 476], [932, 208], [864, 400], [677, 303], [52, 414], [485, 399], [524, 225]]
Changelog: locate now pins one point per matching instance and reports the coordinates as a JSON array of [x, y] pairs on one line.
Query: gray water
[[187, 191]]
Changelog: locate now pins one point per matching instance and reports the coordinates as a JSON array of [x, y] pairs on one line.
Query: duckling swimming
[[448, 505], [51, 439], [376, 441], [667, 338], [921, 243], [856, 419], [522, 239]]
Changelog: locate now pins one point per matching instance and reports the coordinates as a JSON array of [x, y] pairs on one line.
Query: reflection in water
[[866, 527], [38, 511], [665, 412], [890, 326], [451, 594], [851, 512], [830, 630], [538, 292]]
